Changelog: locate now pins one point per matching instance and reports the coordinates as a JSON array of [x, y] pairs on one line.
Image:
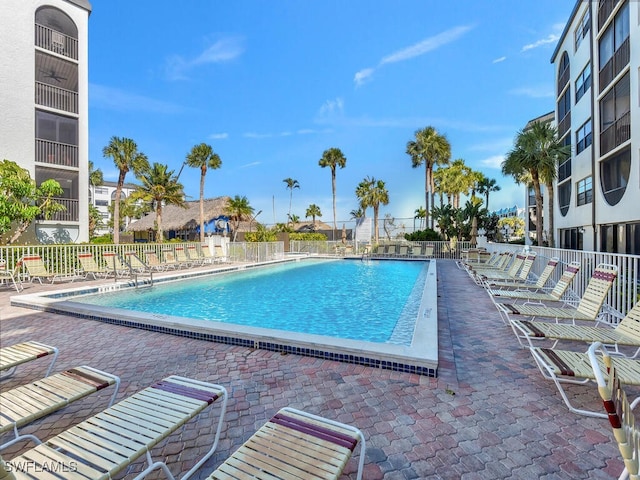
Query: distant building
[[597, 64], [44, 124], [102, 197]]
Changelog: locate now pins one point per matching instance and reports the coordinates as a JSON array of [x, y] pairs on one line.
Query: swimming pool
[[416, 311], [370, 301]]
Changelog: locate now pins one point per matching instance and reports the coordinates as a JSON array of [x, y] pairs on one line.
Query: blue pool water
[[372, 301]]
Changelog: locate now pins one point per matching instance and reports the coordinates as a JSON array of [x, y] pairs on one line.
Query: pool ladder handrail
[[134, 272]]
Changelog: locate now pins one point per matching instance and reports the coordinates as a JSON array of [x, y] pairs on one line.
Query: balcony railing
[[57, 42], [68, 215], [564, 125], [563, 80], [56, 97], [56, 153], [615, 134], [615, 65]]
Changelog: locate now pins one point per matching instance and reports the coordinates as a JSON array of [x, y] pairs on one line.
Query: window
[[564, 197], [620, 238], [615, 121], [583, 82], [563, 72], [101, 190], [582, 30], [585, 191], [102, 203], [56, 128], [614, 176], [571, 239], [584, 136], [564, 169], [614, 36]]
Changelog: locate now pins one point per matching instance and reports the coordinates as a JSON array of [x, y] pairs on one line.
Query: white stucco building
[[597, 111], [102, 197], [44, 96]]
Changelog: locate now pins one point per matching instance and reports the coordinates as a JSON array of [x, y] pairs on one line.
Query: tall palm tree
[[313, 211], [485, 187], [420, 213], [159, 187], [202, 156], [291, 184], [372, 193], [430, 148], [238, 209], [126, 157], [333, 158]]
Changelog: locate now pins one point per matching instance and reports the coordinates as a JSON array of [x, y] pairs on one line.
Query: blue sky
[[272, 85]]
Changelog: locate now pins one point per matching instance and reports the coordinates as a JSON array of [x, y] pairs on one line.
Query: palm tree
[[291, 184], [159, 187], [356, 214], [430, 148], [333, 158], [485, 187], [95, 175], [420, 213], [238, 208], [126, 157], [313, 211], [372, 193], [202, 156]]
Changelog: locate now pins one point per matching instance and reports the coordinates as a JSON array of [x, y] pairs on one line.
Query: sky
[[272, 85]]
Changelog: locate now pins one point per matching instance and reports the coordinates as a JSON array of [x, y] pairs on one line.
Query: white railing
[[56, 153], [440, 249], [57, 42], [625, 292]]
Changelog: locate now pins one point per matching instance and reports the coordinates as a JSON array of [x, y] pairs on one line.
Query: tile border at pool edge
[[419, 358]]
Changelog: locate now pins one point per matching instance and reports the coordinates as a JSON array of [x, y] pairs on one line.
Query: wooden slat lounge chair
[[625, 425], [294, 445], [571, 367], [27, 403], [518, 284], [14, 355], [588, 308], [107, 443], [11, 277], [90, 266], [626, 333]]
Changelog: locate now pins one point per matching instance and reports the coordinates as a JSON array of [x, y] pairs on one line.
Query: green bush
[[102, 239], [308, 237], [427, 235]]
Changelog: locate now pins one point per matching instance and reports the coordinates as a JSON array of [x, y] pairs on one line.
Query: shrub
[[427, 235]]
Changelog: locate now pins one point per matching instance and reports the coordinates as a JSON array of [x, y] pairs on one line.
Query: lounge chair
[[518, 284], [626, 333], [403, 251], [294, 445], [115, 264], [170, 259], [626, 428], [207, 256], [37, 270], [588, 309], [154, 262], [194, 256], [181, 257], [13, 356], [11, 277], [571, 367], [428, 251], [219, 254], [519, 270], [501, 263], [558, 293], [28, 403], [137, 265], [90, 266], [107, 443]]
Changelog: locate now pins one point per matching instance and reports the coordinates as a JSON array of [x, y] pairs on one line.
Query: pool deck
[[489, 415]]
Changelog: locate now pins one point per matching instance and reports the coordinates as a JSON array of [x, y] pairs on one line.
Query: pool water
[[375, 301]]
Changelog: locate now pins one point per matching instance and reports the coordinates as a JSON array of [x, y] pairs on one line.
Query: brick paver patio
[[489, 414]]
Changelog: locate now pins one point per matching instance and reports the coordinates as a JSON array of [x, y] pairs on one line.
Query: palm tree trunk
[[202, 206], [116, 208], [333, 188], [550, 198], [160, 238], [535, 180], [375, 223], [427, 186]]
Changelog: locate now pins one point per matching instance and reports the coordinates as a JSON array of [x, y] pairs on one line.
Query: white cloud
[[363, 76], [427, 45], [551, 38], [256, 135], [248, 165], [493, 162], [332, 108], [219, 136], [415, 50], [533, 92], [500, 59], [222, 50], [109, 98]]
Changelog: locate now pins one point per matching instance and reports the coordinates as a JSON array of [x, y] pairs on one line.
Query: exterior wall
[[99, 199], [591, 221], [17, 96]]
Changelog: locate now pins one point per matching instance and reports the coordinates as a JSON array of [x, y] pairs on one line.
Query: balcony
[[55, 153], [56, 42], [604, 11], [563, 79], [68, 215], [564, 125], [56, 97], [615, 134], [615, 65]]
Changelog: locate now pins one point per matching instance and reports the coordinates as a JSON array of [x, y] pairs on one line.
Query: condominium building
[[597, 112], [102, 197], [44, 96]]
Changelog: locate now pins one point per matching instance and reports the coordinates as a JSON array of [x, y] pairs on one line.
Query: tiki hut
[[184, 223]]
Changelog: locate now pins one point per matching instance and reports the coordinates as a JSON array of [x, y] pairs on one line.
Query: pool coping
[[421, 357]]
